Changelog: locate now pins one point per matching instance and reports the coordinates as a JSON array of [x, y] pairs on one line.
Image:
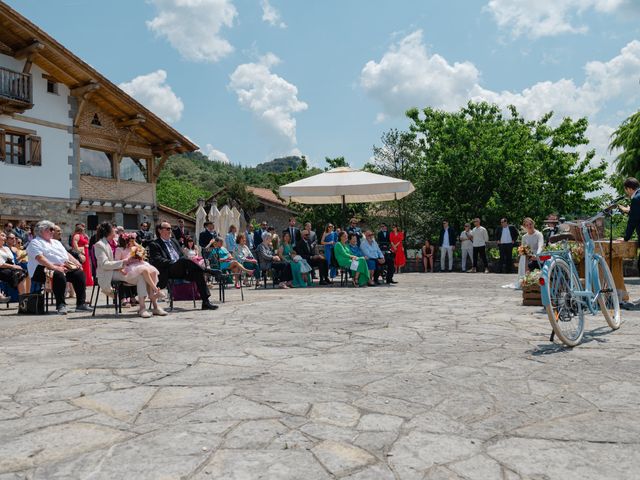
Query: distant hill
[[280, 165]]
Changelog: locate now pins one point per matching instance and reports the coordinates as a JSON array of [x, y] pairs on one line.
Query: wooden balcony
[[16, 92]]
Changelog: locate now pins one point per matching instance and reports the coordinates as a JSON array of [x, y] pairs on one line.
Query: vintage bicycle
[[564, 296]]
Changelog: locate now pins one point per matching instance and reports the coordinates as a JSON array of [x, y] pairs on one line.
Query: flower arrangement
[[138, 252], [576, 249], [530, 279], [525, 250], [22, 256]]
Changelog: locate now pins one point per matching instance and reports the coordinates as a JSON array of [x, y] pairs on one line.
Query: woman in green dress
[[345, 259], [286, 252]]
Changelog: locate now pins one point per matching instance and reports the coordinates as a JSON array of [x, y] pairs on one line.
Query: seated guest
[[11, 273], [374, 256], [108, 268], [144, 235], [230, 239], [225, 260], [46, 252], [313, 237], [308, 252], [299, 266], [269, 260], [427, 256], [346, 259], [244, 255], [166, 256], [129, 249], [205, 240], [192, 251]]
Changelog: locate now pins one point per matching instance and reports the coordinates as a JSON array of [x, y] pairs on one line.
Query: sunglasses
[[165, 228]]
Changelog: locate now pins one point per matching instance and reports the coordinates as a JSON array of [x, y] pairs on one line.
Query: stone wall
[[33, 209], [274, 216]]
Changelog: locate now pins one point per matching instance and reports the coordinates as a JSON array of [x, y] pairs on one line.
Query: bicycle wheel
[[565, 310], [608, 298]]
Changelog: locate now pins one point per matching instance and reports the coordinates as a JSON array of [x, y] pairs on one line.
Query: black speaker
[[92, 222]]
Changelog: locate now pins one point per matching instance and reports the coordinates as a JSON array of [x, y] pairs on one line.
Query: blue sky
[[249, 80]]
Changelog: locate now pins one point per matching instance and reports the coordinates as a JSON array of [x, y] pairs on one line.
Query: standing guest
[[205, 240], [270, 261], [166, 256], [313, 238], [109, 269], [21, 232], [46, 252], [507, 236], [374, 257], [180, 233], [396, 237], [354, 229], [259, 234], [534, 242], [632, 190], [427, 256], [8, 228], [144, 235], [357, 265], [447, 244], [230, 239], [479, 237], [293, 231], [309, 252], [384, 242], [11, 273], [466, 246], [80, 243], [328, 240], [249, 237], [275, 241], [119, 231]]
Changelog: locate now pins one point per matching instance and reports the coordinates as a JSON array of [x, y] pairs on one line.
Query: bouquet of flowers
[[525, 250], [22, 256], [530, 279], [138, 252], [575, 248]]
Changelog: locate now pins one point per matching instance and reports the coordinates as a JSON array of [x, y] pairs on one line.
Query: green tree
[[627, 138], [477, 162], [178, 194]]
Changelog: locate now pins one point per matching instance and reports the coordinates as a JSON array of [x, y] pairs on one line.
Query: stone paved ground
[[443, 376]]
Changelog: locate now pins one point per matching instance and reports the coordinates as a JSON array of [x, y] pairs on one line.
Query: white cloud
[[193, 27], [215, 155], [271, 15], [154, 93], [542, 18], [272, 99]]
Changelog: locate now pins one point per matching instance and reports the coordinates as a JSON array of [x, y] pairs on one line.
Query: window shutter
[[3, 147], [35, 152]]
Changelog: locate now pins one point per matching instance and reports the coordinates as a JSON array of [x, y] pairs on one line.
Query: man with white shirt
[[466, 246], [447, 244], [479, 237], [507, 236], [46, 252]]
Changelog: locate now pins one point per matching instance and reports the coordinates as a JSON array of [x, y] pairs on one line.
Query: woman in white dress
[[534, 240]]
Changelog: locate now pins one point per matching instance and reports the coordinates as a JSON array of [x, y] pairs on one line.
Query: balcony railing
[[15, 87]]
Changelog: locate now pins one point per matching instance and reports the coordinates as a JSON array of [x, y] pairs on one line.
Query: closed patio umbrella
[[201, 216], [214, 216]]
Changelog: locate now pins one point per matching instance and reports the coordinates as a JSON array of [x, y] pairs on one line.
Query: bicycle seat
[[560, 237]]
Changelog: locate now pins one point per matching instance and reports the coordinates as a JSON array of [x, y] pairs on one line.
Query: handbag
[[31, 304]]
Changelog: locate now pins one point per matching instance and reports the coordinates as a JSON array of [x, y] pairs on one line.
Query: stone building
[[73, 146]]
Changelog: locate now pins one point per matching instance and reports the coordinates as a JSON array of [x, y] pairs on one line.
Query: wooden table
[[621, 250]]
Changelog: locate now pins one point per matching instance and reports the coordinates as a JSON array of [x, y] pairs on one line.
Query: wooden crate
[[531, 296]]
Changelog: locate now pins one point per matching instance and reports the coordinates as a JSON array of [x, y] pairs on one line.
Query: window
[[133, 169], [130, 221], [96, 163], [52, 87], [14, 148], [96, 121]]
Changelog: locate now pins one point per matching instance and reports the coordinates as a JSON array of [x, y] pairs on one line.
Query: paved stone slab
[[443, 376]]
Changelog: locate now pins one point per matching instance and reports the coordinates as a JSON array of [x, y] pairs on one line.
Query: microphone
[[614, 203]]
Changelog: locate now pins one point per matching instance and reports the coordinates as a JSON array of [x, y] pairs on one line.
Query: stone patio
[[443, 376]]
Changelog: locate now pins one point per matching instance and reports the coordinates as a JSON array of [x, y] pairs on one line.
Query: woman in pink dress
[[127, 247], [80, 242], [396, 237]]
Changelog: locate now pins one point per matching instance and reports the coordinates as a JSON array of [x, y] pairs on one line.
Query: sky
[[251, 80]]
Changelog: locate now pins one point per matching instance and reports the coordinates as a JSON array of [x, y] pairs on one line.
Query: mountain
[[280, 165]]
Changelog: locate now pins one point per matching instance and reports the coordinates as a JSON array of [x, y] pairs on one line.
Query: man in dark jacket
[[165, 254], [507, 236], [632, 189], [207, 236], [180, 233], [306, 250], [447, 244], [384, 242], [259, 233]]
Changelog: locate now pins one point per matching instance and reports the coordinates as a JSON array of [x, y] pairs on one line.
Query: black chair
[[171, 283], [344, 273], [118, 288], [224, 277]]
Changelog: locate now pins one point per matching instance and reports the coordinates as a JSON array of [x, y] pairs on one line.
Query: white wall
[[53, 178]]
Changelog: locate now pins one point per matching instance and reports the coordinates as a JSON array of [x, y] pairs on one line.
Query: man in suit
[[313, 238], [632, 189], [384, 242], [165, 254], [307, 251], [294, 231], [354, 229], [144, 235], [207, 235], [259, 234], [180, 233], [507, 236], [447, 244]]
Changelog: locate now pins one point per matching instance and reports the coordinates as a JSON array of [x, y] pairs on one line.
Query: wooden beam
[[131, 121], [29, 50], [85, 89]]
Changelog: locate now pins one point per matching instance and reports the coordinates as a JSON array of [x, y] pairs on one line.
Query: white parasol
[[235, 219], [214, 216], [225, 221], [201, 216]]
